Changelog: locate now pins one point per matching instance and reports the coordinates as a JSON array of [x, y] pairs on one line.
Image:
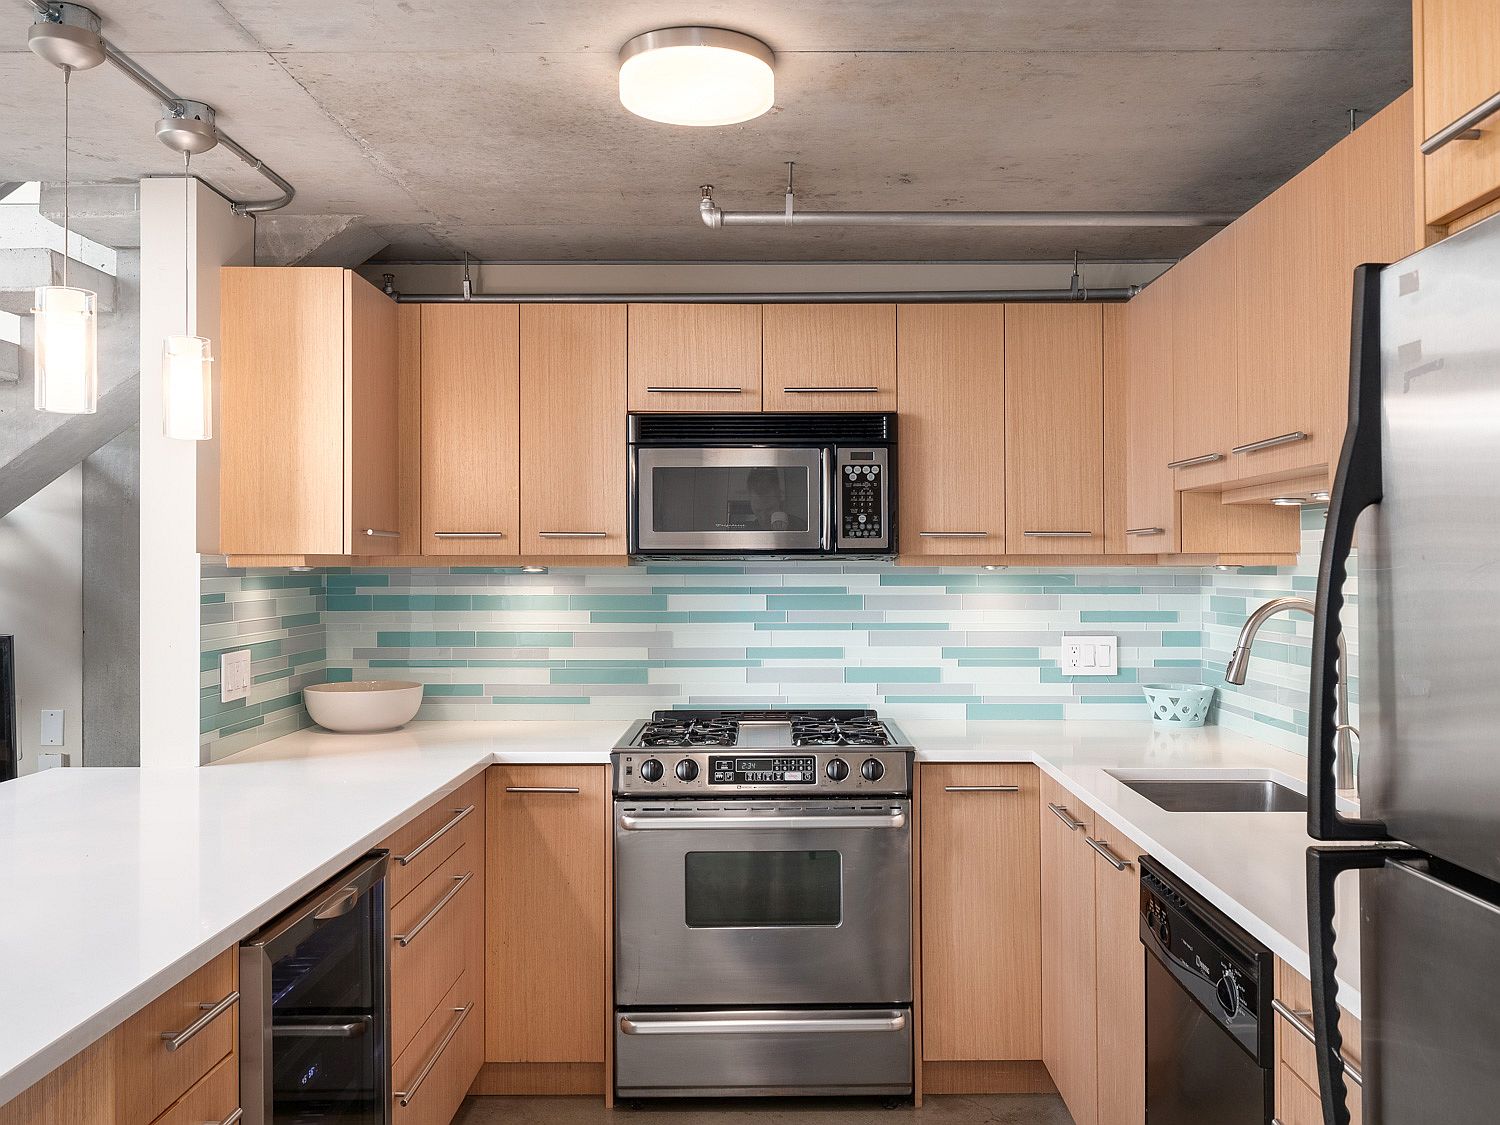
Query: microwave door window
[[731, 499]]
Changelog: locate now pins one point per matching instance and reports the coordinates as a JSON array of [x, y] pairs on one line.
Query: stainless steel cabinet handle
[[695, 390], [981, 789], [354, 1029], [174, 1040], [468, 535], [1269, 443], [953, 534], [573, 534], [1145, 531], [1058, 534], [405, 1096], [830, 390], [631, 822], [458, 815], [376, 533], [337, 907], [1465, 128], [232, 1119], [410, 936], [541, 789], [1065, 816], [1302, 1025], [1189, 462], [890, 1021], [1109, 856]]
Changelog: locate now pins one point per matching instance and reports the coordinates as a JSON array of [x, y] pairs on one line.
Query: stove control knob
[[1228, 990], [837, 769], [651, 770], [872, 770], [686, 770]]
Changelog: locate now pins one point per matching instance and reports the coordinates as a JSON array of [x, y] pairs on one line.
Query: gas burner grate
[[664, 733], [859, 730]]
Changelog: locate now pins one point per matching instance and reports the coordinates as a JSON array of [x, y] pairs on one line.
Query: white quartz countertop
[[118, 883]]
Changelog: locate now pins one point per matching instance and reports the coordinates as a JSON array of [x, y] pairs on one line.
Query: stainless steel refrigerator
[[1420, 472]]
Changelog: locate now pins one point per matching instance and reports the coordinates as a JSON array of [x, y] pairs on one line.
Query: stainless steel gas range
[[763, 907]]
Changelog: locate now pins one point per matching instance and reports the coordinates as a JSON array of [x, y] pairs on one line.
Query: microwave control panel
[[862, 489]]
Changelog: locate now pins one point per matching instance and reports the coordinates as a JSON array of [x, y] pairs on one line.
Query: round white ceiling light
[[697, 76]]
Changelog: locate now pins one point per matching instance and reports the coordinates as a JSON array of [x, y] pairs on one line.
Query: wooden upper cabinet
[[1204, 370], [694, 357], [1069, 1001], [981, 913], [573, 456], [1151, 520], [470, 399], [1457, 49], [308, 429], [829, 357], [1054, 429], [1120, 974], [951, 365]]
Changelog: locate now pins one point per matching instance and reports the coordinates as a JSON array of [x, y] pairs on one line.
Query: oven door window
[[730, 499], [762, 889]]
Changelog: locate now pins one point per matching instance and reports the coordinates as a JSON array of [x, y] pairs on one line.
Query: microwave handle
[[832, 520]]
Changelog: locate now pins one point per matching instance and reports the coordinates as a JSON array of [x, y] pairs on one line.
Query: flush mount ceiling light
[[697, 76]]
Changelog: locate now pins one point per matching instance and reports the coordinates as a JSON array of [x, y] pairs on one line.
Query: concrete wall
[[41, 604], [111, 603]]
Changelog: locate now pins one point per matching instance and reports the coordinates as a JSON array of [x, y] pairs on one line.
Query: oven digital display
[[762, 771]]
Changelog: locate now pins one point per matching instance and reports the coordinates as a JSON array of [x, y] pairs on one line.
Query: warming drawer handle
[[1057, 534], [458, 815], [1108, 853], [837, 822], [1301, 1022], [468, 535], [410, 936], [1062, 814], [175, 1040], [1465, 128], [573, 534], [405, 1096], [892, 1021], [1270, 443], [981, 789]]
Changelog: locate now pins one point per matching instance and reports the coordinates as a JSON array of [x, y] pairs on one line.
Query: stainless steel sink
[[1217, 794]]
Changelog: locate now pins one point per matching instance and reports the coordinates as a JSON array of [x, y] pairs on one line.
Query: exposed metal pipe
[[173, 104], [966, 296], [715, 216]]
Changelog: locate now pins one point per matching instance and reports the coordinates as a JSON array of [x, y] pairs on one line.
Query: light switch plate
[[52, 728], [1090, 656], [234, 675]]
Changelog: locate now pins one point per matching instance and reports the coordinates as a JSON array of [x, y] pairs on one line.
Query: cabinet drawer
[[164, 1049], [436, 933], [214, 1100], [425, 842], [1297, 1103], [431, 1077]]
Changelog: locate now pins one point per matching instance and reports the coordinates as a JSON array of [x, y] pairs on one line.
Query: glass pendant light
[[187, 361], [65, 348]]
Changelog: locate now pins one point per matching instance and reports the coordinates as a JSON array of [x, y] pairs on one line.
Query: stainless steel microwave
[[763, 484]]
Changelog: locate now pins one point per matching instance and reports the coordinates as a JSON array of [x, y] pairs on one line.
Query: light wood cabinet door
[[573, 456], [829, 357], [470, 465], [1458, 61], [1204, 368], [1069, 1002], [694, 357], [372, 420], [1120, 973], [981, 912], [1054, 429], [1151, 521], [547, 926], [951, 365]]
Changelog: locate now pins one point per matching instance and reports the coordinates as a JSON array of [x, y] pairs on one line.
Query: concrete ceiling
[[495, 129]]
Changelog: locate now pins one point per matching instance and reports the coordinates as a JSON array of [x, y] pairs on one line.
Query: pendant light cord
[[67, 87]]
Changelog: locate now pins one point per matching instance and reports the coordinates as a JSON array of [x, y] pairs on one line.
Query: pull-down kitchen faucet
[[1239, 663]]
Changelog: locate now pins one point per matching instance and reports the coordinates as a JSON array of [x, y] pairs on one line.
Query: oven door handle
[[754, 1025], [633, 822]]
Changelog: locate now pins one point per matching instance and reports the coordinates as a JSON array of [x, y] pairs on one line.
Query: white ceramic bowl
[[363, 705]]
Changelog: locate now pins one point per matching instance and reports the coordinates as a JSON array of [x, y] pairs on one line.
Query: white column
[[192, 230]]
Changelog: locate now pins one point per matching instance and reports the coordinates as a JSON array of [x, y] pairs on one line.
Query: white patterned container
[[1178, 705]]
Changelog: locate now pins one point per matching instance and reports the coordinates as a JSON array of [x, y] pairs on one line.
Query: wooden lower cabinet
[[431, 1077], [1069, 1001], [1120, 978], [1297, 1101], [980, 912], [547, 929]]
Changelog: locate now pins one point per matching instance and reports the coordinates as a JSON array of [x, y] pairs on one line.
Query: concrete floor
[[950, 1109]]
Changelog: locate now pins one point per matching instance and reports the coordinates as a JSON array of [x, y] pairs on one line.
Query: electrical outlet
[[1091, 656], [234, 675]]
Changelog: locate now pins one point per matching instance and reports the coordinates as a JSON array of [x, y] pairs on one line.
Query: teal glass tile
[[818, 601], [338, 675], [708, 616], [613, 617], [1176, 663], [954, 699], [264, 649], [794, 652], [520, 601], [1181, 638], [1003, 662], [1014, 711], [349, 603], [210, 599], [544, 700], [423, 662], [1054, 675], [880, 675], [1125, 616], [455, 638], [423, 603], [356, 579], [311, 656], [297, 620], [599, 675], [1105, 590], [1226, 605], [949, 581], [635, 602], [225, 732], [452, 689]]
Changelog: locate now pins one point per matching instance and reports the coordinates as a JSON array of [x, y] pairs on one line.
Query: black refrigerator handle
[[1357, 486]]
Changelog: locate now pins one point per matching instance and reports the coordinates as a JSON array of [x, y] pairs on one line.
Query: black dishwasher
[[1209, 1031]]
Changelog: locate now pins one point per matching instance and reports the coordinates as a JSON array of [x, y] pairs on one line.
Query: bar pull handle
[[1270, 443], [353, 1029], [468, 535], [1301, 1023], [1189, 462], [1058, 534], [573, 534], [176, 1040], [458, 815], [1108, 853], [541, 789], [376, 533], [1465, 128], [831, 390], [695, 390], [981, 789], [1065, 816], [1145, 531], [337, 907], [954, 534], [405, 1096], [410, 936], [232, 1119]]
